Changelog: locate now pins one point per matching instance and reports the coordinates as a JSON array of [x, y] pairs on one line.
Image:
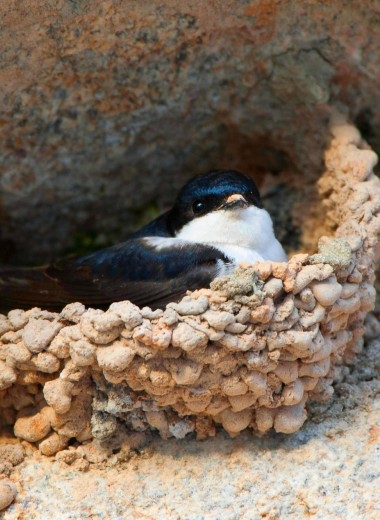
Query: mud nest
[[246, 353]]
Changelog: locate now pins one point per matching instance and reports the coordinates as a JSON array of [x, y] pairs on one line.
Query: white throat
[[243, 235]]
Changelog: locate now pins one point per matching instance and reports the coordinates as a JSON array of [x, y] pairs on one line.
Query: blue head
[[207, 192]]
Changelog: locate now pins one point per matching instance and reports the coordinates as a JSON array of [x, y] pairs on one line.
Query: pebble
[[129, 313], [18, 318], [8, 492], [12, 453], [58, 394], [309, 273], [184, 372], [32, 427], [236, 421], [219, 319], [7, 376], [146, 312], [82, 352], [5, 325], [187, 338], [38, 333], [289, 419], [116, 357], [273, 287], [100, 327], [327, 292], [53, 444], [46, 362], [73, 312], [18, 352]]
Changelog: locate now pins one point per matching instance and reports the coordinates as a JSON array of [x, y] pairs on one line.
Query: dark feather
[[135, 270]]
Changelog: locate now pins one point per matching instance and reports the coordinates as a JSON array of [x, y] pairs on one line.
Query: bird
[[217, 221]]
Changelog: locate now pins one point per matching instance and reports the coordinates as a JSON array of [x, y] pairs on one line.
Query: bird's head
[[212, 206], [218, 191]]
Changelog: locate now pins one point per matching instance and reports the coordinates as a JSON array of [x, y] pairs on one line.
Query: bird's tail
[[23, 288]]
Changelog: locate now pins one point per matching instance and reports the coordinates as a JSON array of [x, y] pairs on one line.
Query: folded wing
[[147, 271]]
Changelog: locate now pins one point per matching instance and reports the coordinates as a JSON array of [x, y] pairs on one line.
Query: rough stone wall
[[98, 97], [247, 353]]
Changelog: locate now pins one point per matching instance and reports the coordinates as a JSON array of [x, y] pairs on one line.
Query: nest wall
[[247, 353]]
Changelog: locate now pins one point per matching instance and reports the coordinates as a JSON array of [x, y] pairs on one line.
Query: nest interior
[[247, 353]]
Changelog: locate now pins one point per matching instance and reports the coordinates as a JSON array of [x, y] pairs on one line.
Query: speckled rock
[[130, 90]]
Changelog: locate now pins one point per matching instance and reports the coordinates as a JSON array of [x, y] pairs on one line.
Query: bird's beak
[[234, 202]]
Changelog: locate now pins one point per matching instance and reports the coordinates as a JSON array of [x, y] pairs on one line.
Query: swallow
[[217, 221]]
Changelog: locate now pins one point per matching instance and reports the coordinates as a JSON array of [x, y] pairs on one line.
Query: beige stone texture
[[327, 469]]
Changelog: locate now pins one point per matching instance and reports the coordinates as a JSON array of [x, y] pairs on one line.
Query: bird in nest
[[216, 222]]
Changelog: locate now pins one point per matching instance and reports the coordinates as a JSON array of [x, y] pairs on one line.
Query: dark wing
[[147, 271]]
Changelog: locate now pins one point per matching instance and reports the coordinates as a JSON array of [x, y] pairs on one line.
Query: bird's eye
[[198, 206], [251, 195]]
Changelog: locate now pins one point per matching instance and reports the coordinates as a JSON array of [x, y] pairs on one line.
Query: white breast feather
[[244, 235]]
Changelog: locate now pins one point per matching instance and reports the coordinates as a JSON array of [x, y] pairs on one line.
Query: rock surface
[[98, 96]]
